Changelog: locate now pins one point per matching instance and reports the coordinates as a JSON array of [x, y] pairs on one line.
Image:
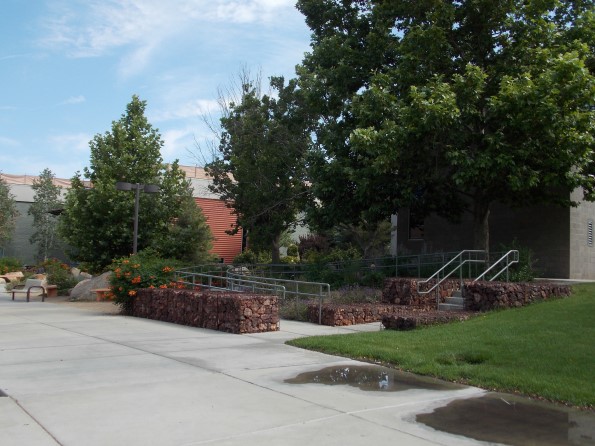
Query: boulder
[[82, 290]]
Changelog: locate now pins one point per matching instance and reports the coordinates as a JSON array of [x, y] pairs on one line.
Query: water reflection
[[514, 421], [370, 378]]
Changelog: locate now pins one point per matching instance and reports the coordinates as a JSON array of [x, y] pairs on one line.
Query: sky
[[68, 68]]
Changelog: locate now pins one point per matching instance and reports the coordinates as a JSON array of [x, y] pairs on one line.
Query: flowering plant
[[142, 270]]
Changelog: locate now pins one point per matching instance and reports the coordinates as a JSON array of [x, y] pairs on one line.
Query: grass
[[545, 350]]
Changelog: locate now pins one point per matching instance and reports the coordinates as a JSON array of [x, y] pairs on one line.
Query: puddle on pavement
[[513, 421], [371, 378]]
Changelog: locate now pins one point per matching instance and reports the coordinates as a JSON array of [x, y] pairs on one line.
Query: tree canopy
[[98, 220], [446, 107], [259, 166]]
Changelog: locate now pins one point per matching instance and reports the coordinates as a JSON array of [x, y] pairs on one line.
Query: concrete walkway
[[81, 375]]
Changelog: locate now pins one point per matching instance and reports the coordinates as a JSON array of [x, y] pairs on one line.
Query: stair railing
[[467, 256], [510, 258]]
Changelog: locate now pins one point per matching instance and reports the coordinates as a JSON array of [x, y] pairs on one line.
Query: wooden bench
[[101, 292], [33, 287]]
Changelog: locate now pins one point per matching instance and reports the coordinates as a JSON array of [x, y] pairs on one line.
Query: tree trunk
[[275, 250], [481, 226]]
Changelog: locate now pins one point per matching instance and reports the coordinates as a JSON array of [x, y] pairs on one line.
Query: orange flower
[[163, 286], [132, 293], [136, 279]]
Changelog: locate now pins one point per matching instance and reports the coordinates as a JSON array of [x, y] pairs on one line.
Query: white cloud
[[73, 100], [94, 27], [70, 143], [191, 109], [4, 141]]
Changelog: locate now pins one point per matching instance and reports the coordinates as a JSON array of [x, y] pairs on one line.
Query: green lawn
[[545, 349]]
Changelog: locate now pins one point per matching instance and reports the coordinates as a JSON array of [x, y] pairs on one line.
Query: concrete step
[[450, 307], [455, 301], [457, 293]]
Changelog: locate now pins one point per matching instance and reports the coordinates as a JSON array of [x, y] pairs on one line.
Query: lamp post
[[137, 187]]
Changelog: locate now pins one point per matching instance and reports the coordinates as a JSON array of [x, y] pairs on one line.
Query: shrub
[[9, 264], [524, 270], [252, 257], [58, 274], [312, 242], [292, 250], [143, 270], [355, 294], [336, 267]]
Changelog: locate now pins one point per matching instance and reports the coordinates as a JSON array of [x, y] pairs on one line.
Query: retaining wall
[[485, 296], [230, 312], [403, 305]]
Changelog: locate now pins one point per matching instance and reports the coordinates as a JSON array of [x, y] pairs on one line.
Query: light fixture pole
[[147, 188]]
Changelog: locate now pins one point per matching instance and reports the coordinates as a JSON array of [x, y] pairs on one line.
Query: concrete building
[[219, 217], [561, 239]]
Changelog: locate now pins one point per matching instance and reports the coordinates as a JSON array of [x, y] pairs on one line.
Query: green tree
[[448, 107], [8, 212], [46, 199], [98, 220], [259, 169]]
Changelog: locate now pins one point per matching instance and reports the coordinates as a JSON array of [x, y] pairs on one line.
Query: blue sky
[[69, 67]]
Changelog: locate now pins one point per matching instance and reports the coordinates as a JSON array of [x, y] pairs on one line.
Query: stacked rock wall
[[403, 291], [227, 311], [404, 306], [485, 296]]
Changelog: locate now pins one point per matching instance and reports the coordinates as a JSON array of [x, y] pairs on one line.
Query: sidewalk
[[77, 373]]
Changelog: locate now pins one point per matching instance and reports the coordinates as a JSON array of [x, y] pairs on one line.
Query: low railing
[[242, 279], [295, 288], [465, 257], [194, 280], [510, 258]]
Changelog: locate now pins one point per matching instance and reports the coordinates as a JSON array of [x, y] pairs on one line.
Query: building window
[[590, 233], [416, 226]]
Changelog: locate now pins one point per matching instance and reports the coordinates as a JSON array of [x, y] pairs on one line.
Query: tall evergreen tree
[[8, 212], [98, 219], [45, 199]]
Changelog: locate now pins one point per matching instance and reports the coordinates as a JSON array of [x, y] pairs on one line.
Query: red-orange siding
[[220, 219]]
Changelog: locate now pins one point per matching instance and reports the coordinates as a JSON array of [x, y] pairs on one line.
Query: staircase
[[456, 302]]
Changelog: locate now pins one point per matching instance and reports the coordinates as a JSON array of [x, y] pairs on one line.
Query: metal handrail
[[324, 289], [515, 259], [225, 278], [459, 260], [183, 277]]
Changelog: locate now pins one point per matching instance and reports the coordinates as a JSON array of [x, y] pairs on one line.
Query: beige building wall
[[582, 244]]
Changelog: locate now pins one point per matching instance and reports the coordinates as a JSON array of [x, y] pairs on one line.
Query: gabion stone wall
[[230, 312], [403, 291], [484, 296], [403, 307]]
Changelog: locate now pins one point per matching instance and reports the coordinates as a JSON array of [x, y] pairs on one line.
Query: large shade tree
[[259, 168], [98, 219], [449, 107]]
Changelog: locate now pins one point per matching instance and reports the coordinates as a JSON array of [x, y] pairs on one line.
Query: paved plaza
[[80, 374]]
